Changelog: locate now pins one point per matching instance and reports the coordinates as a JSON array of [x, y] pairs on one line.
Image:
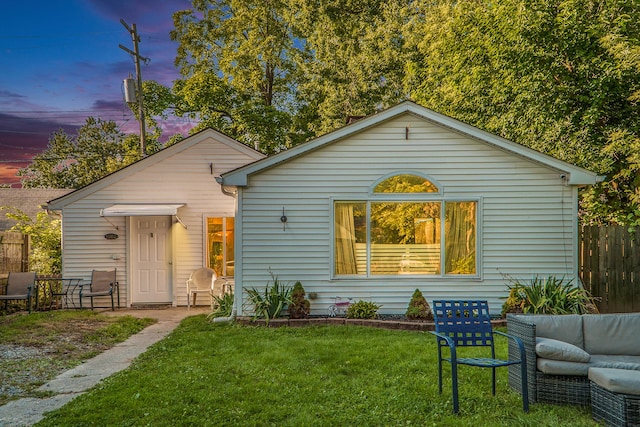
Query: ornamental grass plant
[[550, 295], [212, 374]]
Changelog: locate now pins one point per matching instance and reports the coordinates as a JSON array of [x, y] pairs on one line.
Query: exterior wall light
[[283, 220]]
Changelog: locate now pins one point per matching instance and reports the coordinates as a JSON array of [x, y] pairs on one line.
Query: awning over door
[[142, 210]]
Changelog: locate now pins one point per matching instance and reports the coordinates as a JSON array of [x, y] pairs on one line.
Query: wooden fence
[[14, 252], [610, 267]]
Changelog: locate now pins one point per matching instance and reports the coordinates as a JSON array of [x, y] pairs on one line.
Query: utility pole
[[136, 56]]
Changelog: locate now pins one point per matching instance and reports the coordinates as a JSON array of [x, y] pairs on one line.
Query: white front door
[[151, 259]]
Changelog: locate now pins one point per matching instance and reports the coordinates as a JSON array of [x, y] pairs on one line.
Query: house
[[30, 201], [156, 221], [405, 199]]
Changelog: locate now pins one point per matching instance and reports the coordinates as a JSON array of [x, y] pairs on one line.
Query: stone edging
[[383, 324]]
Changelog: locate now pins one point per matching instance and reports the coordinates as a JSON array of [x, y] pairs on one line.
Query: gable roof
[[27, 200], [574, 174], [146, 162]]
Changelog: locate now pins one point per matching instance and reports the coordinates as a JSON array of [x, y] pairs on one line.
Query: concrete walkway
[[72, 383]]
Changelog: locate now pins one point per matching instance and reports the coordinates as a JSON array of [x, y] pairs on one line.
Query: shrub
[[363, 310], [270, 304], [419, 308], [300, 307], [45, 233], [221, 306], [548, 296]]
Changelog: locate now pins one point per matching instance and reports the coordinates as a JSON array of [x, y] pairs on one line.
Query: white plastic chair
[[200, 281]]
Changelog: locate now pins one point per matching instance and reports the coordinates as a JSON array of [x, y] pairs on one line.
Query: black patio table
[[56, 291]]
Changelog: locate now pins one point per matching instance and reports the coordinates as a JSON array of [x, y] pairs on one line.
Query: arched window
[[405, 183], [405, 228]]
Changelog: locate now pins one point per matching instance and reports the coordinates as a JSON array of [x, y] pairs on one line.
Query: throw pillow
[[548, 348]]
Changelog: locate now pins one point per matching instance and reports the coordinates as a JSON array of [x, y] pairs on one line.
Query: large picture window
[[404, 235], [220, 253]]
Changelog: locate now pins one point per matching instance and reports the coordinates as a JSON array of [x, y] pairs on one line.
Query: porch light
[[283, 220]]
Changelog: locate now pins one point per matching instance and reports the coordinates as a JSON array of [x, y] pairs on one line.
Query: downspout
[[233, 193], [226, 319]]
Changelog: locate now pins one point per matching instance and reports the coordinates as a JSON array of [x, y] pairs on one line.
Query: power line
[[53, 111], [48, 36]]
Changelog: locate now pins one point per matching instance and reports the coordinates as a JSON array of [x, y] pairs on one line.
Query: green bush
[[548, 296], [363, 310], [45, 257], [419, 308], [300, 307], [272, 302], [221, 306]]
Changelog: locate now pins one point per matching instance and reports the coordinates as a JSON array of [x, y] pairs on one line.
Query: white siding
[[526, 215], [183, 177]]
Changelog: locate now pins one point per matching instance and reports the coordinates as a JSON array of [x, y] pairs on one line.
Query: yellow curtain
[[460, 238], [345, 239]]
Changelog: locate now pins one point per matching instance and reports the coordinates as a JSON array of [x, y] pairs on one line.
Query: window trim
[[205, 239], [408, 197]]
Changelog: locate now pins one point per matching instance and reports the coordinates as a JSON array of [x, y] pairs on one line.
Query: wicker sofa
[[561, 348]]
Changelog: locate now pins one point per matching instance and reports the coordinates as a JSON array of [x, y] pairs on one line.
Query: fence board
[[14, 252], [610, 267]]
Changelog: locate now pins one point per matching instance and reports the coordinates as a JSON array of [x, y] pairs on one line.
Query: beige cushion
[[549, 348], [616, 380], [612, 334]]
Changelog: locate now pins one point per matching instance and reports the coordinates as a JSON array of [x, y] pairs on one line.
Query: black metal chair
[[468, 324]]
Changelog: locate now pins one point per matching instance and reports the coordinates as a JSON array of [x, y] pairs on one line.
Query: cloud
[[103, 104], [7, 94], [23, 137], [8, 173]]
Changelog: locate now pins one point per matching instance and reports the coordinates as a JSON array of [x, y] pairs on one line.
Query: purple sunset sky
[[60, 63]]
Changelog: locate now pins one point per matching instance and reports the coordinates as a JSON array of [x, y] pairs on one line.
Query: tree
[[275, 74], [45, 234], [559, 76], [236, 60], [353, 62], [98, 149]]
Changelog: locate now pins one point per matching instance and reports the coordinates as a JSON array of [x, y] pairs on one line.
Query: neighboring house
[[30, 201], [156, 221], [400, 200]]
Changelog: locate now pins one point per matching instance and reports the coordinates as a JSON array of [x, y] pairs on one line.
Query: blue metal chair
[[468, 324]]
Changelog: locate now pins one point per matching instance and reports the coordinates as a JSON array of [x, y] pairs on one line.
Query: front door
[[151, 259]]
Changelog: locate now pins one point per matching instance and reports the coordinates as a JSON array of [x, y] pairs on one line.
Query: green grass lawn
[[219, 374], [35, 348]]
